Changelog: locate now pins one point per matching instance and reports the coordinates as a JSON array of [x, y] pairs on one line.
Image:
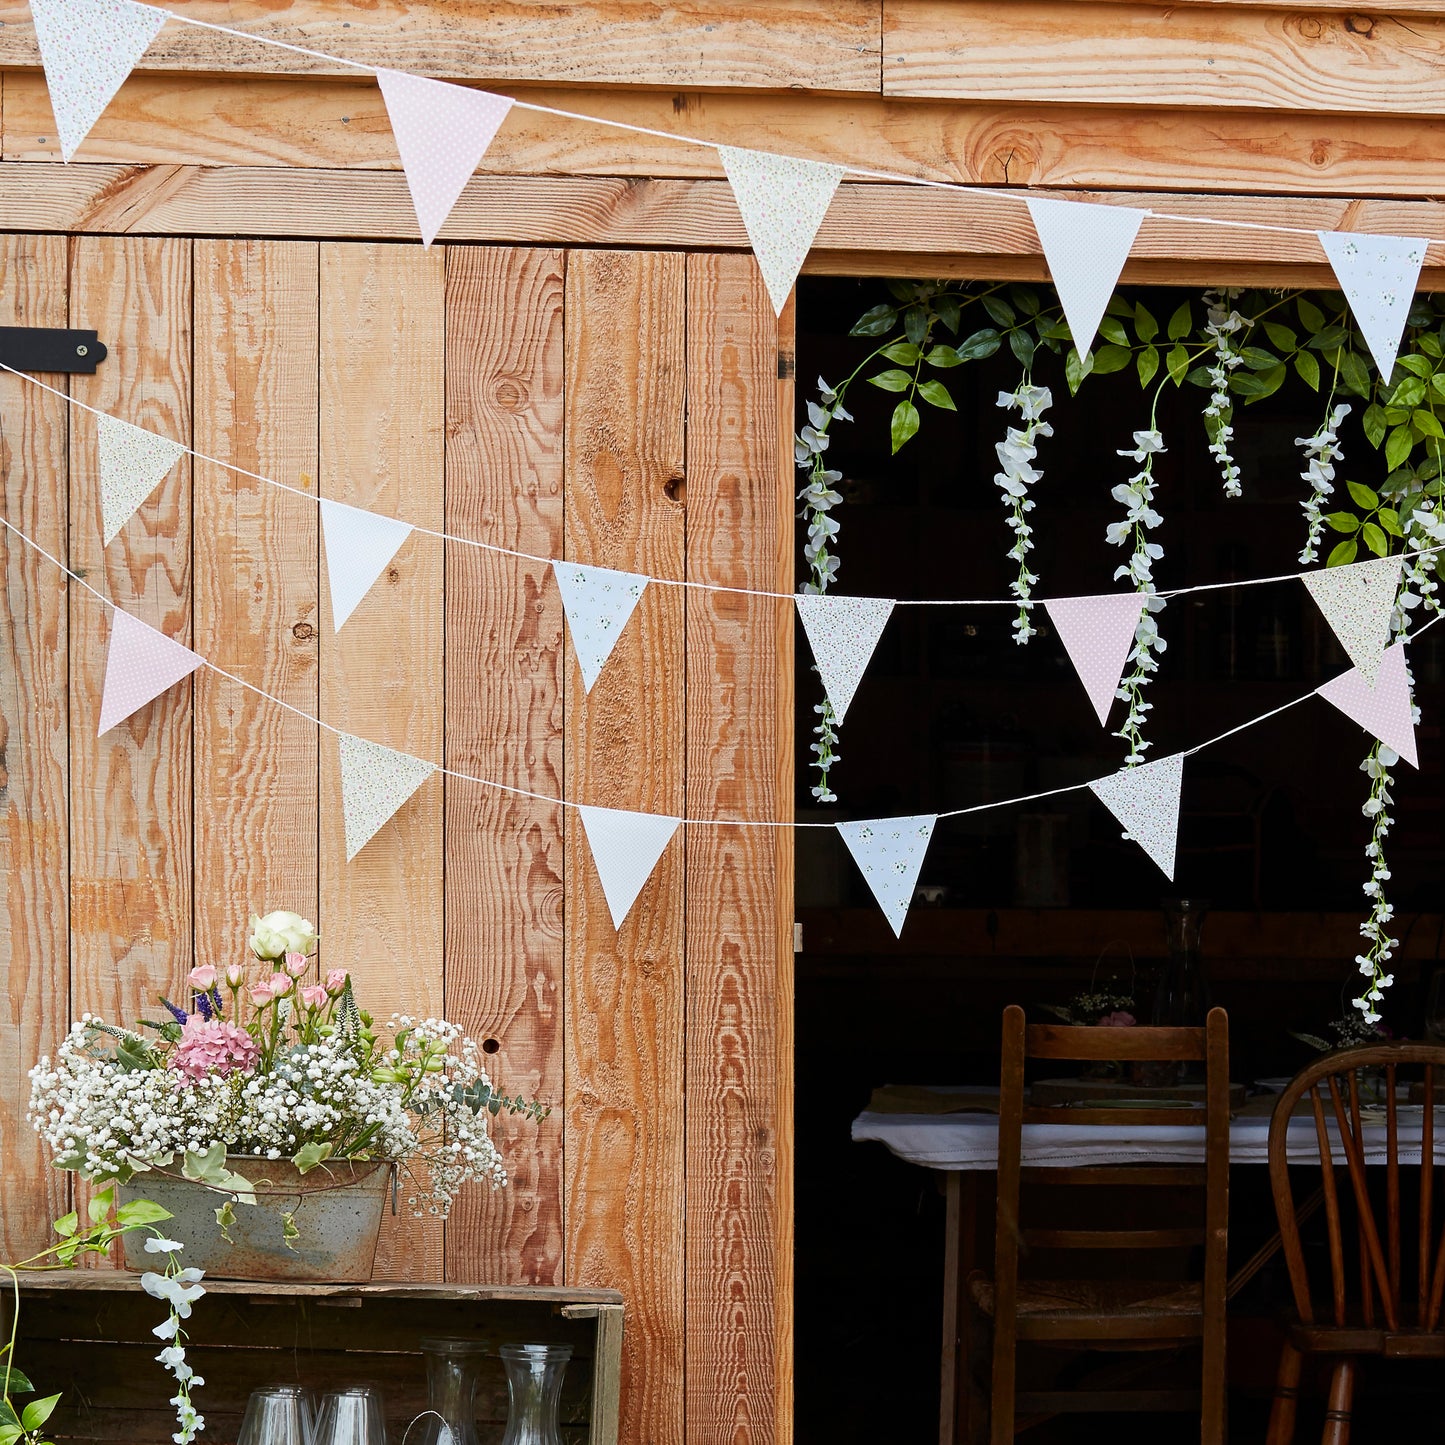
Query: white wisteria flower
[[1322, 451], [1016, 455], [1224, 327]]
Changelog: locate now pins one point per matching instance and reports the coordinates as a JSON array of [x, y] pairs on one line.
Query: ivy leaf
[[980, 345], [1112, 329], [1076, 368], [1342, 522], [876, 321], [1374, 424], [943, 356], [1389, 519], [1310, 315], [1145, 326], [1427, 424], [905, 353], [1181, 323], [1281, 335], [1363, 496], [915, 324], [308, 1156], [904, 424], [1398, 445], [936, 394], [1343, 554], [999, 311], [949, 312], [1309, 369], [893, 380], [1375, 539], [1147, 364], [1022, 346], [1110, 358], [1177, 363]]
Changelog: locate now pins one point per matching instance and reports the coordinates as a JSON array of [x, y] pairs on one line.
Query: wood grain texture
[[504, 720], [34, 767], [130, 802], [382, 329], [735, 517], [745, 43], [256, 573], [1218, 57], [625, 399]]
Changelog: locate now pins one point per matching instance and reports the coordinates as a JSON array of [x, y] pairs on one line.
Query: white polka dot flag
[[625, 849], [88, 48], [375, 782], [1384, 709], [442, 132], [1086, 246], [598, 602], [1097, 633], [1145, 800], [1378, 275], [1357, 602], [842, 631], [140, 665], [359, 544], [889, 852], [132, 463]]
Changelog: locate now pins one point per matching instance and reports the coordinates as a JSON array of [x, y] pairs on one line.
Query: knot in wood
[[303, 632], [1361, 25]]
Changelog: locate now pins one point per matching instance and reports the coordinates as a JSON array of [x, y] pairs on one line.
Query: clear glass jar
[[452, 1367], [534, 1392]]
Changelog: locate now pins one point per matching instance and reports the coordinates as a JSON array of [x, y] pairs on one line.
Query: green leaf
[[905, 353], [1270, 381], [1256, 358], [289, 1232], [9, 1434], [893, 380], [140, 1211], [1076, 368], [980, 345], [1344, 554], [1181, 323], [1330, 339], [1427, 424], [1111, 329], [225, 1218], [1147, 363], [1110, 358], [876, 321], [101, 1203], [1145, 326], [8, 1417], [1363, 496], [1389, 519], [904, 291], [1420, 365], [19, 1381], [1280, 335], [66, 1225], [1410, 392], [1177, 363], [999, 311], [308, 1156], [1310, 315], [1247, 383], [1026, 299], [1051, 328], [37, 1412], [935, 393], [1398, 446], [1375, 539], [1430, 345], [1342, 522], [904, 424], [1023, 347], [915, 324], [949, 312], [1374, 424], [943, 356], [1308, 366]]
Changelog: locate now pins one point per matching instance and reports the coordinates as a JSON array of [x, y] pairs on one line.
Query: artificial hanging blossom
[[1223, 327], [1322, 451], [1375, 929], [1016, 455]]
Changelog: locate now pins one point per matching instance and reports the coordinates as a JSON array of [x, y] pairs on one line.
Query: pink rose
[[235, 975], [260, 994], [281, 984], [202, 978], [335, 981], [313, 997], [1118, 1020], [296, 964]]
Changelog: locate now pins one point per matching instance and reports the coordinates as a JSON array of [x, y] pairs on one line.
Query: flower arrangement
[[1097, 1009], [271, 1065]]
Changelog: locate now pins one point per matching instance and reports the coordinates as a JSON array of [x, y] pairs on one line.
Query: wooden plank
[[625, 398], [504, 857], [382, 328], [34, 766], [255, 586], [747, 43], [735, 519], [1170, 55]]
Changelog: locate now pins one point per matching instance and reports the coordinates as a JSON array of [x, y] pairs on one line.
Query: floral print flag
[[1145, 799], [1086, 246], [88, 48], [1378, 276], [140, 665], [1382, 709], [842, 631], [375, 782], [598, 602], [1357, 602], [625, 849], [1097, 633], [132, 463], [359, 545], [889, 852]]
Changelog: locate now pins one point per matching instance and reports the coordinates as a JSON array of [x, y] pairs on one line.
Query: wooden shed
[[585, 365]]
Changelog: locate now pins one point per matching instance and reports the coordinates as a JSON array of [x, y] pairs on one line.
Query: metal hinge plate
[[46, 348]]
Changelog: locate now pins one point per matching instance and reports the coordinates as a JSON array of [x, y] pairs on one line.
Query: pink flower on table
[[336, 981], [261, 994], [314, 997], [202, 978], [212, 1048], [281, 984], [235, 975], [296, 964], [1118, 1020]]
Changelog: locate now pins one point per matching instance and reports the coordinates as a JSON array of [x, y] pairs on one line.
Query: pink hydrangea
[[1119, 1019], [212, 1048]]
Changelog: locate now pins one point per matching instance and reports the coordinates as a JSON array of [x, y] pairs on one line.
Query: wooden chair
[[1121, 1313], [1368, 1311]]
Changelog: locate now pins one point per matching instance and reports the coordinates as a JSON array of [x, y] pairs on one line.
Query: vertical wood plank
[[626, 1193], [255, 586], [381, 338], [735, 525], [34, 766], [130, 805], [504, 855]]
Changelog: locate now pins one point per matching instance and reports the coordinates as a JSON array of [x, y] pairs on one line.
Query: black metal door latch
[[45, 348]]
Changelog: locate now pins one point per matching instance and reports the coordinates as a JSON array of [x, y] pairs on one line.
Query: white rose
[[279, 933]]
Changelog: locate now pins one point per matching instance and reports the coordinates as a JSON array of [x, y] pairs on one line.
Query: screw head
[[82, 350]]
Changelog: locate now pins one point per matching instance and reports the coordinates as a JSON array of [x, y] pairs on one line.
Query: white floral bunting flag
[[375, 782], [1378, 275], [88, 48], [359, 544], [842, 631], [1145, 800], [889, 852], [783, 201], [1097, 632], [132, 463], [442, 131], [1357, 602], [140, 665], [598, 602], [1382, 710], [625, 849], [1086, 246]]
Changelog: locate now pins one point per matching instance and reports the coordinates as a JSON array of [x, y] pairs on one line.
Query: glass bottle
[[1182, 997], [534, 1391], [451, 1391]]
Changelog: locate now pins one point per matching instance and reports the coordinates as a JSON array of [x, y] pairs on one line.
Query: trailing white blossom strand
[[1223, 327], [1016, 454], [180, 1288], [1322, 451], [1375, 928]]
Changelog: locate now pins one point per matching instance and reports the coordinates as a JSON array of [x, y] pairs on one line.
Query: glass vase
[[1182, 997], [451, 1391], [534, 1392]]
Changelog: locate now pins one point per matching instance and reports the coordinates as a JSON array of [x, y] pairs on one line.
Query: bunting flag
[[842, 631], [375, 782], [442, 132], [1378, 275], [1097, 633], [1086, 246], [132, 463], [783, 201], [889, 852], [625, 849], [1357, 602], [141, 664], [359, 544], [598, 602], [1384, 709], [88, 48], [1145, 800]]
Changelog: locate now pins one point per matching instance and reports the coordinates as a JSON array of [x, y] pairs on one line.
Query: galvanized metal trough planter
[[334, 1209]]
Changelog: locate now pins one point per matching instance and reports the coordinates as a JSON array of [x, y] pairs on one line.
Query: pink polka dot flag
[[141, 664]]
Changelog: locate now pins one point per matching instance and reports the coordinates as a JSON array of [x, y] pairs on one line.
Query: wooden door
[[619, 408]]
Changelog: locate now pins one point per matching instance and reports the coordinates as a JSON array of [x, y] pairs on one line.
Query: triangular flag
[[132, 463], [1086, 246], [842, 631], [141, 664], [625, 849], [889, 852], [1378, 276], [783, 201], [375, 782], [1097, 633], [442, 131], [1357, 602], [1145, 800], [88, 48], [598, 602], [1384, 709], [359, 544]]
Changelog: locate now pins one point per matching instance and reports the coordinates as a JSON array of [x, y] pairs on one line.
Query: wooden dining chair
[[1120, 1312], [1372, 1248]]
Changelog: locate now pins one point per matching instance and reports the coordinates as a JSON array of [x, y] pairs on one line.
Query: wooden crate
[[88, 1334]]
